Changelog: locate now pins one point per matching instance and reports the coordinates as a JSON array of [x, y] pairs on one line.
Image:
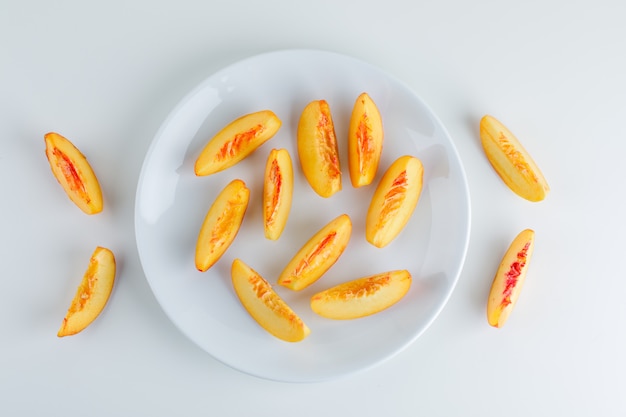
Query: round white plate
[[172, 202]]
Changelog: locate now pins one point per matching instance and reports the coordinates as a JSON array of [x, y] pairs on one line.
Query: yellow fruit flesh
[[509, 279], [221, 224], [92, 294], [362, 297], [511, 161], [265, 306], [318, 150], [73, 172], [277, 192], [394, 201], [317, 256], [365, 141], [236, 141]]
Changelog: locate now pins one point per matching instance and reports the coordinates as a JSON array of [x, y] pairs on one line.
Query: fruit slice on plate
[[317, 255], [511, 161], [221, 224], [318, 150], [365, 141], [394, 200], [73, 172], [92, 294], [236, 141], [277, 192], [509, 279], [362, 297], [265, 306]]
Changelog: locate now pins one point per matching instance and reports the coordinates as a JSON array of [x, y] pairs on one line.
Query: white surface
[[106, 75], [172, 203]]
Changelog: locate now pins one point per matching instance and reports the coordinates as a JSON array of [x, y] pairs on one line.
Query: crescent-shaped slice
[[316, 257], [318, 150], [73, 172], [236, 141], [509, 279], [92, 294], [265, 306], [394, 200], [277, 192], [511, 161], [365, 141], [362, 297], [221, 224]]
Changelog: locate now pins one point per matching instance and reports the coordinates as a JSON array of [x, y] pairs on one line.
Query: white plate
[[172, 202]]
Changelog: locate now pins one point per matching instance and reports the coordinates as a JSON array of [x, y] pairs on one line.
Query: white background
[[107, 74]]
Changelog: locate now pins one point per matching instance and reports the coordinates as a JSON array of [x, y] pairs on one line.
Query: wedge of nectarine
[[511, 161], [509, 279], [265, 305], [394, 200], [236, 141], [92, 294], [277, 192], [221, 224], [73, 172], [317, 255], [318, 150], [365, 141], [363, 296]]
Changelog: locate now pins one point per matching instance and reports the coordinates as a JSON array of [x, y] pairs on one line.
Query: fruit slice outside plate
[[509, 279], [73, 172], [511, 161], [92, 294]]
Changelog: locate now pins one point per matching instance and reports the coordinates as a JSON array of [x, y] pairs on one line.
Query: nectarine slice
[[73, 172], [265, 306], [394, 200], [365, 141], [236, 141], [277, 192], [509, 279], [318, 150], [221, 224], [317, 255], [92, 294], [362, 297], [511, 161]]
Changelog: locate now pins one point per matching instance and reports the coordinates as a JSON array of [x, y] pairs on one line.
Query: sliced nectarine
[[221, 224], [511, 161], [265, 306], [317, 255], [236, 141], [92, 294], [394, 200], [362, 297], [318, 149], [72, 170], [509, 279], [365, 141], [277, 192]]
